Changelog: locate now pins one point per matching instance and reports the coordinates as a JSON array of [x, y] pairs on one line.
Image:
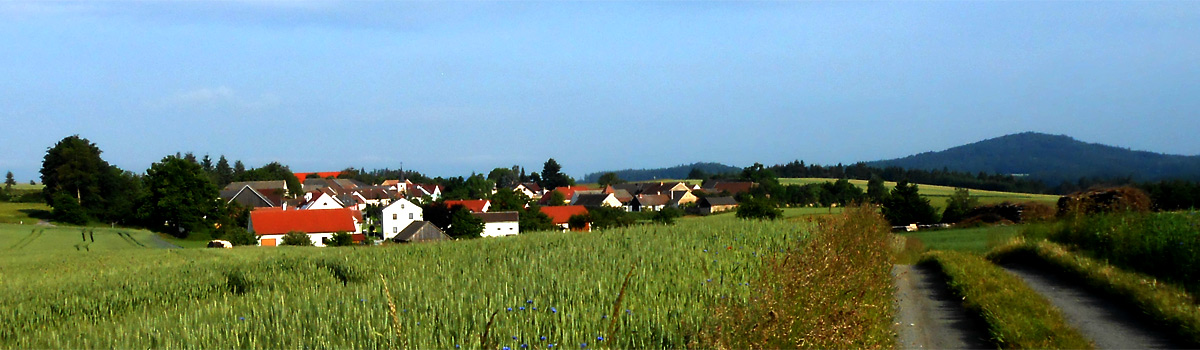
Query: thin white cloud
[[214, 97]]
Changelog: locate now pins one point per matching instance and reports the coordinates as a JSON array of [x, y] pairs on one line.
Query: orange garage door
[[268, 242]]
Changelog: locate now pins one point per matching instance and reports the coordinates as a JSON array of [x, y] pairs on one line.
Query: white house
[[398, 215], [498, 224]]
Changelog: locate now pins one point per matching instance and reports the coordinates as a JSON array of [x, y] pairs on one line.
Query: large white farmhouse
[[398, 215]]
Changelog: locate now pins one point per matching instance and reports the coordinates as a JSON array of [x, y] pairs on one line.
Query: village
[[329, 205]]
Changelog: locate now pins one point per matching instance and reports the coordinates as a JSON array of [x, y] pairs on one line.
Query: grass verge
[[1169, 305], [832, 291], [1017, 316]]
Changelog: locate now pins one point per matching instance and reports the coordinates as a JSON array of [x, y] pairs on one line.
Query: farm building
[[269, 225], [248, 197], [420, 231], [650, 202], [498, 224], [592, 200], [712, 205], [561, 215]]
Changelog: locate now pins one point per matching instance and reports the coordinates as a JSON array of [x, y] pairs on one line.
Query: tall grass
[[832, 291], [1164, 245], [504, 292], [1017, 316]]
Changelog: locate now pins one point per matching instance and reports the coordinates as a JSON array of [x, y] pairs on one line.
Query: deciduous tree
[[180, 198]]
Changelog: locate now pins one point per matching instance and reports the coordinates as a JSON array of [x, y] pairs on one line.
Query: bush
[[297, 239], [759, 208], [340, 239], [667, 216], [609, 217], [578, 222], [239, 237], [68, 210]]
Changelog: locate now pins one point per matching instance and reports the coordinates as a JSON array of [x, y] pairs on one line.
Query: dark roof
[[591, 199], [632, 188], [420, 231], [623, 195], [652, 200], [532, 186], [257, 185], [711, 201], [248, 197], [732, 187], [504, 216]]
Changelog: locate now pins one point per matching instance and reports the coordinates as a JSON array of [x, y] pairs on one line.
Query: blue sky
[[449, 88]]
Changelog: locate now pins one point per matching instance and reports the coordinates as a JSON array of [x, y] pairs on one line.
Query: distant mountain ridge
[[1052, 159], [675, 172]]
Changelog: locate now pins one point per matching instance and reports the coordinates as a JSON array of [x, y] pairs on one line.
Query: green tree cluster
[[180, 197], [905, 206], [296, 238], [959, 205], [762, 208]]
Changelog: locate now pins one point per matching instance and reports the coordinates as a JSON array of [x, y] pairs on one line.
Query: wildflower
[[627, 311], [552, 309], [550, 346], [709, 280], [524, 346], [535, 308], [510, 309], [529, 301], [706, 250], [599, 338], [506, 348], [584, 345], [603, 316], [543, 337], [514, 337], [242, 318], [362, 300], [456, 346], [522, 308]]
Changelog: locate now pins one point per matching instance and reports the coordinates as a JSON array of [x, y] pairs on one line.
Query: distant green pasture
[[12, 213], [939, 194]]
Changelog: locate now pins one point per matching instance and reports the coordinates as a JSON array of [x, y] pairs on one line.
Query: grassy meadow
[[57, 239], [641, 287], [27, 213]]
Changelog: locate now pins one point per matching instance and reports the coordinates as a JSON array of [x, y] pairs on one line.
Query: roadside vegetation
[[1017, 316]]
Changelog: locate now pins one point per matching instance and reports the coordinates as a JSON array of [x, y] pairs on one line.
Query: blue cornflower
[[603, 316], [599, 338], [584, 345], [550, 346], [529, 301], [362, 300], [543, 337], [535, 308], [514, 337], [506, 348], [404, 310], [552, 309], [510, 309], [627, 311], [714, 261], [418, 323], [706, 250], [709, 280], [456, 346], [524, 346], [242, 318], [522, 308]]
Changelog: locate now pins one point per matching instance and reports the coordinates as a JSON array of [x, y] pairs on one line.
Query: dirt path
[[158, 242], [1103, 321], [929, 316]]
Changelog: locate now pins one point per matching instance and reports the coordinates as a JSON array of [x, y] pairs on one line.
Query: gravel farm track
[[930, 316]]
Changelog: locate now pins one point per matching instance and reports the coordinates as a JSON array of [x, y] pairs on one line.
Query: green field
[[13, 213], [51, 240], [444, 293], [939, 194], [974, 240]]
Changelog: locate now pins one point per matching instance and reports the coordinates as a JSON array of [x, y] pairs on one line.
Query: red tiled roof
[[561, 214], [267, 222], [324, 174], [474, 205], [567, 191]]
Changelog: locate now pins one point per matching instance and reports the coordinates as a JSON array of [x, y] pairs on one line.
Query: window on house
[[410, 216], [402, 206], [395, 229], [393, 216]]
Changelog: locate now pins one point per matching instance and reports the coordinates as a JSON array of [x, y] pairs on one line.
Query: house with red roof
[[561, 215], [319, 224], [568, 193], [322, 174], [474, 205], [417, 191]]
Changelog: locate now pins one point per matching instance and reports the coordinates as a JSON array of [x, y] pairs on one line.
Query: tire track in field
[[25, 241], [929, 316], [1108, 323]]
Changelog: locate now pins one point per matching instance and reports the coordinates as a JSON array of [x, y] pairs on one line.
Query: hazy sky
[[449, 88]]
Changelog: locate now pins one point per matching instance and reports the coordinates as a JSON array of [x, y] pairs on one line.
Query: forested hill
[[675, 172], [1053, 159]]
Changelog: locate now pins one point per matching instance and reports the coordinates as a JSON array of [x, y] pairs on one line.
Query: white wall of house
[[318, 239], [398, 215], [501, 228]]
